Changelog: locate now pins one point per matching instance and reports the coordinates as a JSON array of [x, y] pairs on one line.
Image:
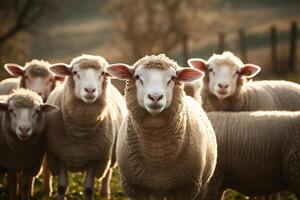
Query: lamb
[[259, 152], [23, 119], [166, 146], [225, 87], [81, 137], [35, 75]]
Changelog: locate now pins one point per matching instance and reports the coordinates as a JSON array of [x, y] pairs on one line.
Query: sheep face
[[88, 83], [154, 85], [25, 115], [36, 78], [224, 72], [88, 77]]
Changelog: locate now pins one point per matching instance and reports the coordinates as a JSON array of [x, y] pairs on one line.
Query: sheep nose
[[223, 86], [90, 90], [24, 129], [155, 98]]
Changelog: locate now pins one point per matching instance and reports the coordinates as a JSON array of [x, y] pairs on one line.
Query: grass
[[75, 190]]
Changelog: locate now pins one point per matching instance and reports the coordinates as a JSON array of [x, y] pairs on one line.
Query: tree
[[155, 26], [19, 15]]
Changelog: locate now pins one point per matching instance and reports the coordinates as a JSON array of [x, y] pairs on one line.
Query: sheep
[[259, 152], [81, 137], [35, 75], [23, 119], [225, 86], [166, 146]]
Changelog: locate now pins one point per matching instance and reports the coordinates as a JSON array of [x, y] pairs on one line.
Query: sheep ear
[[59, 78], [48, 108], [188, 74], [61, 69], [198, 63], [250, 70], [14, 69], [3, 107], [120, 71]]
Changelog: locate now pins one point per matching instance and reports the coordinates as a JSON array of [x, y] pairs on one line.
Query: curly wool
[[159, 61], [89, 61], [38, 68], [24, 98], [226, 58]]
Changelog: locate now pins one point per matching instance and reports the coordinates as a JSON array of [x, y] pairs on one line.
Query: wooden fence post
[[293, 46], [221, 46], [273, 36], [243, 48]]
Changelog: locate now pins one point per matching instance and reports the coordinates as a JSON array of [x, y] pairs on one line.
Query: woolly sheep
[[21, 139], [82, 136], [225, 87], [35, 75], [259, 152], [166, 146]]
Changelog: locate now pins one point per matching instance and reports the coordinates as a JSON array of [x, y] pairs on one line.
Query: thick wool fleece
[[259, 153], [170, 155], [255, 95], [82, 133], [16, 155]]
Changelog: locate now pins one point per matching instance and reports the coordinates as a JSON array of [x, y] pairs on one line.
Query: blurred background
[[263, 32]]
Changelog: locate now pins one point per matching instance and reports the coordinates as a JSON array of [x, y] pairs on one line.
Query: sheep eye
[[10, 110], [76, 73], [137, 77], [173, 78], [103, 73]]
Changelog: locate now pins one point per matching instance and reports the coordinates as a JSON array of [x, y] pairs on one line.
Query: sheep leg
[[62, 183], [47, 179], [105, 184], [12, 185], [25, 186], [89, 182]]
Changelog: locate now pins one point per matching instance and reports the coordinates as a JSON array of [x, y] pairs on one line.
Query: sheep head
[[154, 78], [35, 76], [224, 72], [88, 74], [25, 110]]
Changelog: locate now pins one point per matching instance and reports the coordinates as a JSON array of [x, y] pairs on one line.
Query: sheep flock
[[177, 133]]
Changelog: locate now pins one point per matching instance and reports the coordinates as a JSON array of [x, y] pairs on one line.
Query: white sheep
[[166, 147], [259, 152], [22, 145], [82, 136], [35, 75], [225, 87]]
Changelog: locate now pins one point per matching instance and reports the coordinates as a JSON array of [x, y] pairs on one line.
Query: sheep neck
[[159, 146], [80, 117]]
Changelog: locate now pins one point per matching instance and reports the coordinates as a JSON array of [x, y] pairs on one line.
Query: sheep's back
[[272, 95], [8, 85], [251, 148]]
